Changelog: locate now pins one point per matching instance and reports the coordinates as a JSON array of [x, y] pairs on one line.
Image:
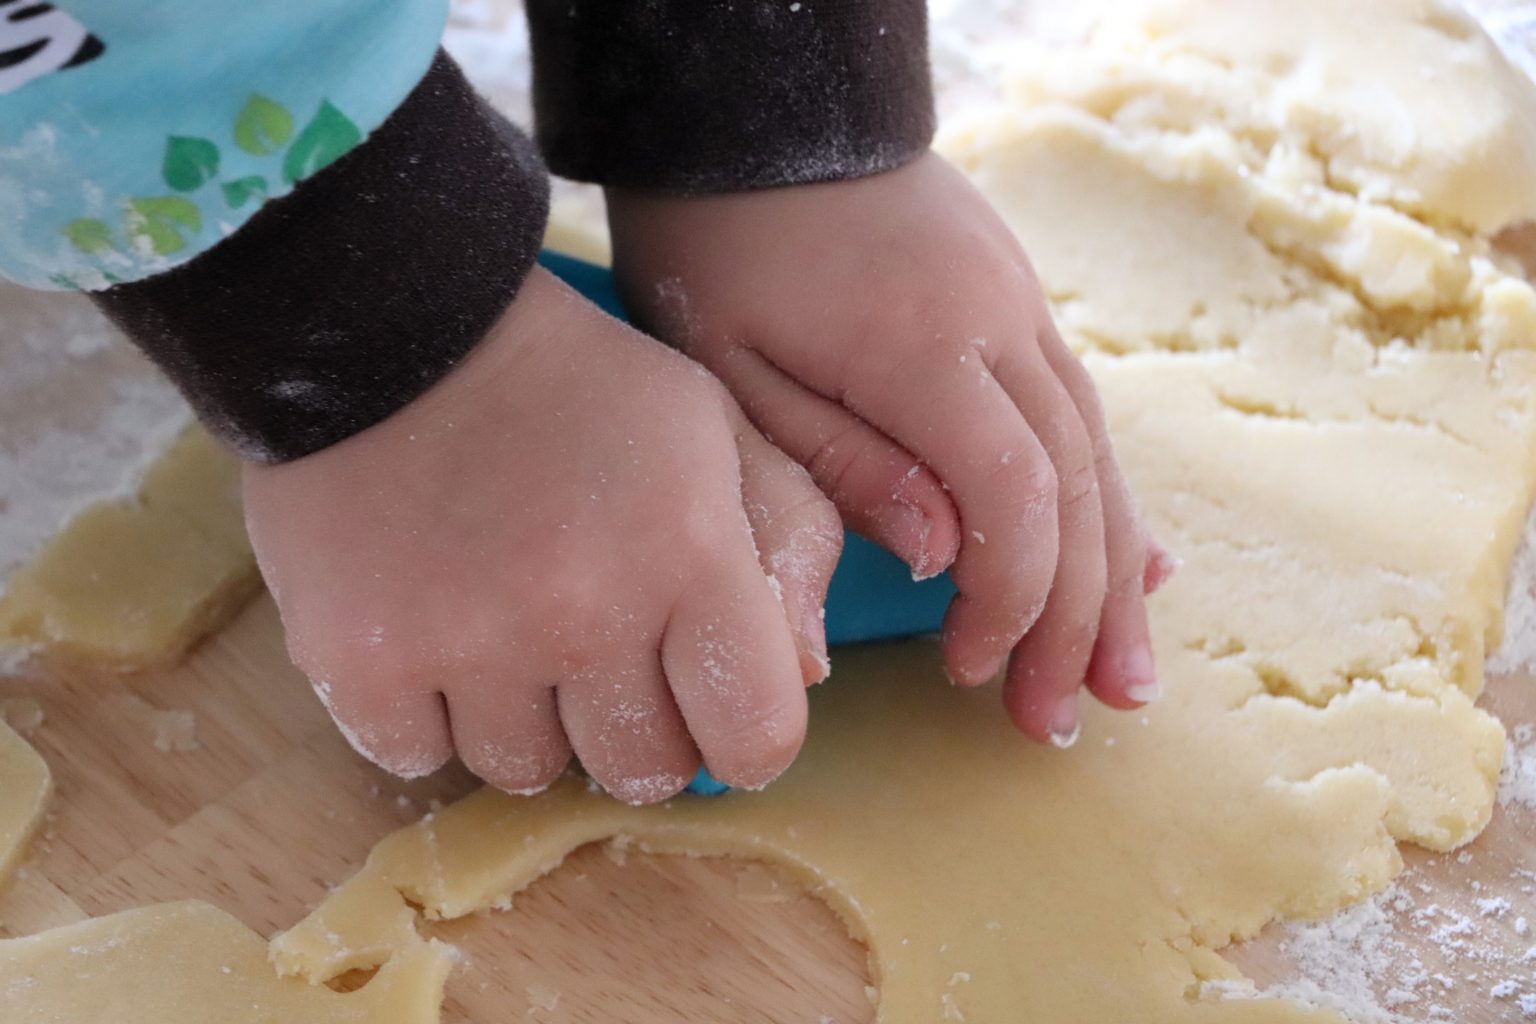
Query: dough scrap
[[135, 583], [25, 785], [1321, 378], [192, 962]]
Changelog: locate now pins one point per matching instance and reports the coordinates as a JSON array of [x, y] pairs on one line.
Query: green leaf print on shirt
[[164, 225], [159, 221], [329, 135], [263, 126], [240, 191], [190, 163], [89, 235]]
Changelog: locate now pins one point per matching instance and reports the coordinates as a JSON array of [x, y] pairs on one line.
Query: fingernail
[[814, 668], [1140, 674], [814, 662], [1065, 727], [968, 678], [907, 529], [1161, 565]]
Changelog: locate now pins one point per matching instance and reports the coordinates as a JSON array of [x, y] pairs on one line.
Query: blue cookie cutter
[[872, 597]]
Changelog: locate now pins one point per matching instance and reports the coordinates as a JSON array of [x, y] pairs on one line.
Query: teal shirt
[[135, 134]]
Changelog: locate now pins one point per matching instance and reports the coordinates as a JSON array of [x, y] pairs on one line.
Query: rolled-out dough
[[193, 962], [1321, 378], [25, 785]]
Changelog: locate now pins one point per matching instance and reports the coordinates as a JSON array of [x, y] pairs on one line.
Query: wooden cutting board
[[273, 806]]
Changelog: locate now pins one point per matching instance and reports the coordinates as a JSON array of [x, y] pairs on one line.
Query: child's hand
[[553, 549], [890, 335]]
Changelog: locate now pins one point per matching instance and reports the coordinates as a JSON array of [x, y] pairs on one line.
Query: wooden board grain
[[274, 806]]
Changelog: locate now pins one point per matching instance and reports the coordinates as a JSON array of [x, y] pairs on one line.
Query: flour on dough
[[189, 963], [1404, 103], [25, 785]]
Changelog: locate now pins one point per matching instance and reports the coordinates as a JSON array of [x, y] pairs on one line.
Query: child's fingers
[[882, 490], [734, 671], [510, 738], [626, 729], [799, 538], [1122, 673], [405, 733], [953, 414], [1049, 665]]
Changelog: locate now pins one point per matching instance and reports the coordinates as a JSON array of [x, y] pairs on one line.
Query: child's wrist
[[788, 94]]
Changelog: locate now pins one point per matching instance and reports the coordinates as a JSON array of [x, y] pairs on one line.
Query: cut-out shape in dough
[[181, 963], [1091, 885], [134, 583], [25, 784]]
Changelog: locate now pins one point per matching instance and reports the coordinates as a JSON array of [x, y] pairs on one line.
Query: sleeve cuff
[[344, 300], [700, 96]]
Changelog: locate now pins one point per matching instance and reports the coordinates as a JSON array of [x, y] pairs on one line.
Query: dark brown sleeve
[[696, 96], [341, 302]]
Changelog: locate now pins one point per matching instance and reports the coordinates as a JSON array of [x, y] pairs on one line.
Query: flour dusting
[[1517, 776], [1518, 651], [84, 416], [1418, 952]]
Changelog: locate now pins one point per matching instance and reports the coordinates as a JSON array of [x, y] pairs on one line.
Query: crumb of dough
[[168, 730], [176, 732], [617, 849], [542, 997]]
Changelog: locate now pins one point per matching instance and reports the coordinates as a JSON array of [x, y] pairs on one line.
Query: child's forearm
[[299, 227], [345, 300], [698, 96]]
